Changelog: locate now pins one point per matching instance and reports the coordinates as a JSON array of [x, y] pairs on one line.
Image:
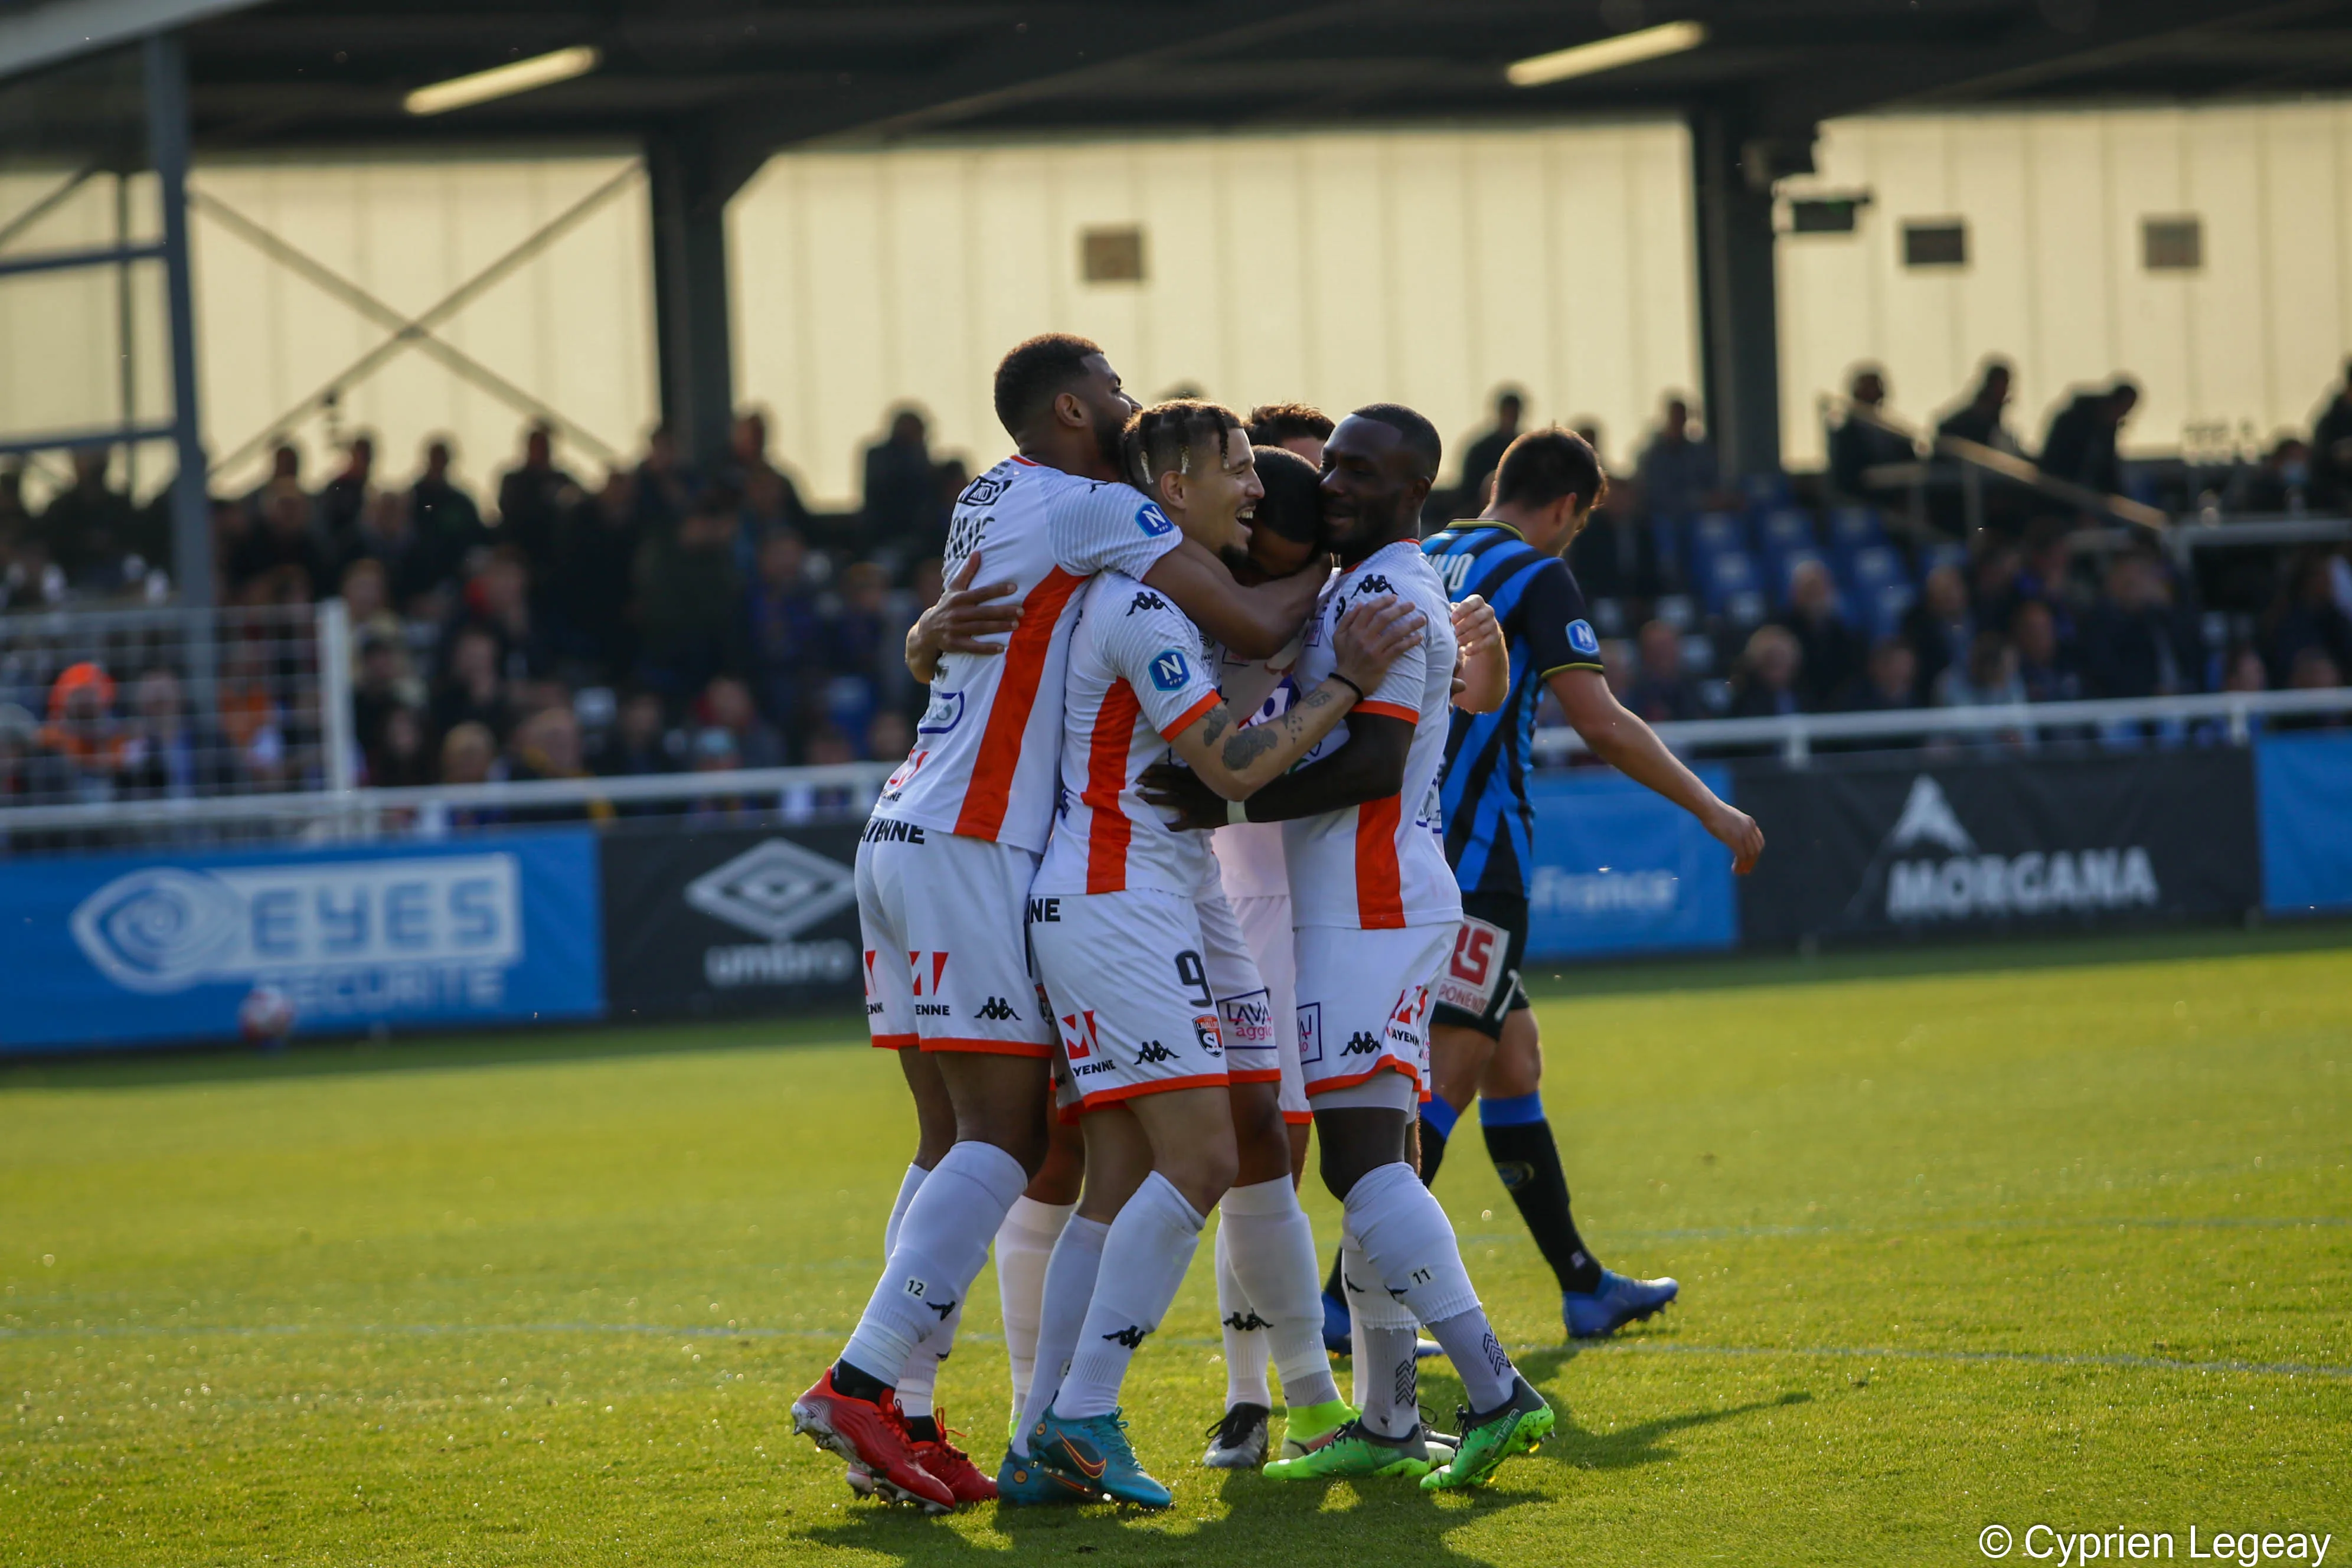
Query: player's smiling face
[[1213, 502], [1367, 476]]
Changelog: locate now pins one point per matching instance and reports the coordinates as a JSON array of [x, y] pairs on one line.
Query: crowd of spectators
[[670, 617]]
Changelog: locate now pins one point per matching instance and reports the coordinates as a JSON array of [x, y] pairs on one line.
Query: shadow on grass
[[1276, 1522], [426, 1052]]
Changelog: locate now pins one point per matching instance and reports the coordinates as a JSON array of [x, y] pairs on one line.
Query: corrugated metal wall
[[2055, 279], [1425, 267]]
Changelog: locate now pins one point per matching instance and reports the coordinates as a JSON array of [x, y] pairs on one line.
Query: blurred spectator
[[399, 757], [2307, 615], [1486, 449], [366, 601], [1890, 681], [497, 600], [25, 768], [1863, 441], [1677, 469], [382, 684], [2331, 446], [443, 518], [165, 756], [470, 690], [666, 483], [83, 736], [2314, 670], [547, 746], [889, 737], [638, 743], [469, 755], [1831, 650], [287, 549], [1979, 419], [252, 718], [387, 539], [1662, 694], [726, 704], [2081, 444], [90, 527], [771, 500], [713, 752], [685, 582], [867, 646], [2280, 482], [533, 496], [901, 515], [1989, 676], [2044, 666], [1766, 684], [784, 630], [800, 802], [595, 552], [2242, 670], [2136, 643], [285, 468], [1940, 627], [344, 500]]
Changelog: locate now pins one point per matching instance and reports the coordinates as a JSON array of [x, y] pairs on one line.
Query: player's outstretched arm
[[1620, 739], [957, 623], [1369, 767], [1255, 623], [1483, 671], [1237, 763]]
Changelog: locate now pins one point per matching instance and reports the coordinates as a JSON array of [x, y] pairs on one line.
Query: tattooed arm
[[1235, 762]]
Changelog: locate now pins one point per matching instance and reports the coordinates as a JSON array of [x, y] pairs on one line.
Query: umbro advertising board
[[731, 920], [1911, 848], [138, 949]]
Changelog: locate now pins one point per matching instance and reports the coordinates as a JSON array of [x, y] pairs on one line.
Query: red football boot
[[946, 1463], [872, 1437]]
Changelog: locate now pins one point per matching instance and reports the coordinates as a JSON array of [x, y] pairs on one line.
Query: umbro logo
[[1147, 600], [996, 1009], [1243, 1322], [1152, 1051], [1129, 1336], [1361, 1044]]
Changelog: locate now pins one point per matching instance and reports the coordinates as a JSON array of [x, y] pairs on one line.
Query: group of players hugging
[[1216, 827]]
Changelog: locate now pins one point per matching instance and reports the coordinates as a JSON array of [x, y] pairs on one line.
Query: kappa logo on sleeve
[[1152, 520], [1581, 638], [1171, 671]]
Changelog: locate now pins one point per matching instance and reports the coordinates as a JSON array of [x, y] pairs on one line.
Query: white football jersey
[[1138, 673], [1381, 864], [1249, 854], [984, 760]]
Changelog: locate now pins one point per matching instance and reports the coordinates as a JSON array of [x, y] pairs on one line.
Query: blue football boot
[[1094, 1452], [1026, 1481], [1591, 1315]]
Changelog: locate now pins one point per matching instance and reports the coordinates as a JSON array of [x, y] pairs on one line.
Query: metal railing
[[1796, 734], [1968, 464]]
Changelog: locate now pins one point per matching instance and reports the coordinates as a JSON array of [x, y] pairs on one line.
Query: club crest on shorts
[[1205, 1030]]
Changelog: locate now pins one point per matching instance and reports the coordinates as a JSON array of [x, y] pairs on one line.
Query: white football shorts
[[1266, 929], [946, 963], [1133, 1003], [1363, 1003]]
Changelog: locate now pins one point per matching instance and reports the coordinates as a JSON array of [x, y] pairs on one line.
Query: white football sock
[[1272, 1243], [1023, 1243], [919, 1379], [1386, 1338], [943, 1243], [907, 1185], [1069, 1287], [1149, 1247], [1244, 1331], [1411, 1245]]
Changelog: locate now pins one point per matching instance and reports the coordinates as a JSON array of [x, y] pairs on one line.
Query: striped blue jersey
[[1490, 827]]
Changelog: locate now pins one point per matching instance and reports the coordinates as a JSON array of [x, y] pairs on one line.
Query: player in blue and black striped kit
[[1484, 1043]]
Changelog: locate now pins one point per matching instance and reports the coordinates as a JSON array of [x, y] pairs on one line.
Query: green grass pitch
[[2017, 1238]]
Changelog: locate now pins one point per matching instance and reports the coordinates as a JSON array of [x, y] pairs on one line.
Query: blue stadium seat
[[1854, 528], [1729, 571], [1871, 568], [1711, 534], [1885, 608], [1786, 528], [1785, 571], [1945, 552], [1765, 490]]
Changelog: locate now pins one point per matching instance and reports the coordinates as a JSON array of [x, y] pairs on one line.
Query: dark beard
[[1107, 441]]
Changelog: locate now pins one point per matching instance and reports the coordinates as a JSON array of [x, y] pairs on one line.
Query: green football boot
[[1352, 1453], [1310, 1427], [1514, 1426]]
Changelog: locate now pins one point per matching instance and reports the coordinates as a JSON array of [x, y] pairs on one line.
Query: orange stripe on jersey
[[1379, 895], [1109, 832], [1184, 720], [1390, 711], [991, 787]]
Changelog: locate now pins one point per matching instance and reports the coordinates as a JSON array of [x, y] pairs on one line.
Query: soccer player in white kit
[[1376, 907], [1138, 952], [943, 875]]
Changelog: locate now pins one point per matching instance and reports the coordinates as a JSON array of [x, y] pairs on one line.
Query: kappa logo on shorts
[[1170, 670], [1078, 1039], [1151, 1053], [1205, 1030], [996, 1010], [1310, 1032], [1361, 1044]]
